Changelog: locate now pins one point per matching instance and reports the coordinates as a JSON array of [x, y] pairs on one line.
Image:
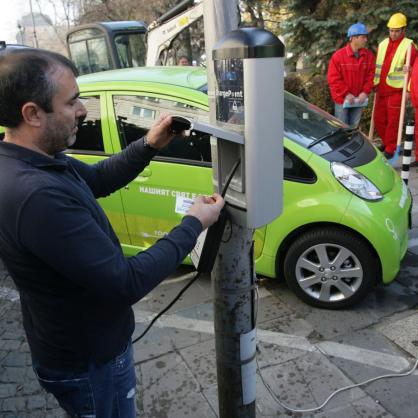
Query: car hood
[[379, 172]]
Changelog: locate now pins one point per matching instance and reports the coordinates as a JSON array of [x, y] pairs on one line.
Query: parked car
[[344, 226], [6, 48]]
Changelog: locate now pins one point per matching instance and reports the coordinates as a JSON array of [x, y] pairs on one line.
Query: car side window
[[89, 137], [136, 114], [294, 169]]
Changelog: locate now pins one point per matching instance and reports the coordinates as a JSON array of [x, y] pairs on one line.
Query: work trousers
[[107, 391], [351, 116], [386, 119]]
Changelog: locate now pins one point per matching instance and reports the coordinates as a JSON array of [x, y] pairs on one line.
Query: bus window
[[98, 55], [131, 49], [88, 51]]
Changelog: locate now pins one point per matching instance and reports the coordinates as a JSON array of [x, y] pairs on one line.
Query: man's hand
[[160, 133], [362, 97], [349, 98], [406, 69], [207, 209]]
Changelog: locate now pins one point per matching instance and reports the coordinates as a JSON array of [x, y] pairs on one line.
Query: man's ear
[[32, 114]]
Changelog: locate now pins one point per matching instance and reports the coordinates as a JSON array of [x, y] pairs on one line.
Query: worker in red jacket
[[350, 75], [414, 99], [389, 81]]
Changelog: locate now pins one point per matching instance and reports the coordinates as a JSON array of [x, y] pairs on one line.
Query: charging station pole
[[233, 275]]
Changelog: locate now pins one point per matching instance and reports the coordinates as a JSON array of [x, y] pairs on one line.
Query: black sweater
[[76, 287]]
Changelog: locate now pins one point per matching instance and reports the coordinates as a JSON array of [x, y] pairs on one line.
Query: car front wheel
[[330, 268]]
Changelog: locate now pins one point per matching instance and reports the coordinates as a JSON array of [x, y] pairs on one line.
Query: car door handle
[[144, 174]]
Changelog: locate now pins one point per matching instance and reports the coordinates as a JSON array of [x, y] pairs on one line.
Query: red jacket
[[414, 86], [348, 74], [382, 88]]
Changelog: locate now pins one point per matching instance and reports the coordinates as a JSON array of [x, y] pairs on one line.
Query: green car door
[[92, 145], [158, 198]]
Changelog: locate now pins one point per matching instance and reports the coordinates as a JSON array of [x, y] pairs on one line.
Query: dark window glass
[[294, 169], [131, 49], [90, 55], [312, 127], [136, 114], [89, 135], [194, 147]]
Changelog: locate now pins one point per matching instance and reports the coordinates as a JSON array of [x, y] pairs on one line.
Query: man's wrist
[[147, 145]]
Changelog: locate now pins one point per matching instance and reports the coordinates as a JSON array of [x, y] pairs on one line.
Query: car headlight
[[355, 182]]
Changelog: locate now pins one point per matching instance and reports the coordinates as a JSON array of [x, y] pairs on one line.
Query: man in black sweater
[[76, 287]]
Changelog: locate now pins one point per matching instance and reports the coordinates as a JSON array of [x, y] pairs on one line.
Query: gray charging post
[[248, 98]]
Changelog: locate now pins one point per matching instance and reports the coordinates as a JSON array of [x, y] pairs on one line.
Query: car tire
[[330, 268]]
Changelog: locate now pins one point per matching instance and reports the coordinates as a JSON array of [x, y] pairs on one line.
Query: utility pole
[[35, 38], [233, 274]]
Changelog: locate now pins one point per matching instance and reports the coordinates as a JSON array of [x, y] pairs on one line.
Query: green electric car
[[344, 226]]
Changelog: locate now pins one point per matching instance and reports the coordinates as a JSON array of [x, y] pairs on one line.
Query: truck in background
[[105, 46]]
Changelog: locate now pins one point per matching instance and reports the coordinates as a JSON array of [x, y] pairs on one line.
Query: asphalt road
[[305, 353]]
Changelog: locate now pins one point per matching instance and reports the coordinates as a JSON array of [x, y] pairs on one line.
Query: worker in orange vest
[[389, 80]]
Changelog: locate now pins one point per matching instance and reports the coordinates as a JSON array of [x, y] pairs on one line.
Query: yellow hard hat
[[396, 21]]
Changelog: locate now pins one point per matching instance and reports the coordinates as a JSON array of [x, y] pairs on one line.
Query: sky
[[11, 11]]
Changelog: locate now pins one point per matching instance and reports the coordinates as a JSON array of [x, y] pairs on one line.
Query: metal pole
[[233, 274], [407, 150], [35, 38]]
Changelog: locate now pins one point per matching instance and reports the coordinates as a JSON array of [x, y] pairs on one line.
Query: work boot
[[388, 155]]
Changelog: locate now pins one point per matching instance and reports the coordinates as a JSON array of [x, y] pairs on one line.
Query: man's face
[[395, 34], [183, 61], [61, 124], [359, 41]]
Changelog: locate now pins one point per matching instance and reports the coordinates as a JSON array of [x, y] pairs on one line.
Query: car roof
[[190, 77], [125, 25], [5, 48]]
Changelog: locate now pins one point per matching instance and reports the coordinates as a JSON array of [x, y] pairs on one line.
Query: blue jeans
[[107, 391], [351, 116]]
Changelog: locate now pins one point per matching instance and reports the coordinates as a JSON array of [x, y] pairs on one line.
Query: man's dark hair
[[25, 76]]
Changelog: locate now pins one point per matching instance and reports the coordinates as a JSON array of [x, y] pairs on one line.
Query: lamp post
[[35, 38]]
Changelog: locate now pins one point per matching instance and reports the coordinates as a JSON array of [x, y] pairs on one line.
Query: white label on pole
[[197, 250], [248, 347], [249, 378], [410, 129]]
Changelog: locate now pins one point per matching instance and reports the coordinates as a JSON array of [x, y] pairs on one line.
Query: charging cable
[[225, 187], [167, 307], [365, 382]]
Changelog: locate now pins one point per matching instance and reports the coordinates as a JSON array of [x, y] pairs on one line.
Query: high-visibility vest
[[395, 75]]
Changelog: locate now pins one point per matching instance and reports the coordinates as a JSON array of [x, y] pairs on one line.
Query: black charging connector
[[179, 124], [204, 253]]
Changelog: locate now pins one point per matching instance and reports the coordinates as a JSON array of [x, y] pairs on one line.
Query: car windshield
[[312, 127]]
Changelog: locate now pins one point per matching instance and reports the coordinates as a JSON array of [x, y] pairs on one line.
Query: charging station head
[[249, 70], [228, 54]]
